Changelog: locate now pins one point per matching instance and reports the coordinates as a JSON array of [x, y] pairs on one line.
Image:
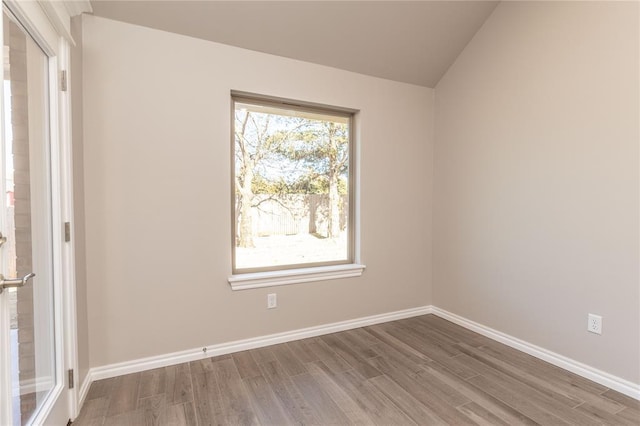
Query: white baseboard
[[149, 363], [609, 380], [143, 364], [84, 390]]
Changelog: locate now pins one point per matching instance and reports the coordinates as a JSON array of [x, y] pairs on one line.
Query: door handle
[[14, 282]]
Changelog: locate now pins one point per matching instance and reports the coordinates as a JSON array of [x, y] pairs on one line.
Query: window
[[293, 195]]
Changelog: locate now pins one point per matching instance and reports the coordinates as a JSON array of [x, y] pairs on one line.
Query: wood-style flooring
[[423, 370]]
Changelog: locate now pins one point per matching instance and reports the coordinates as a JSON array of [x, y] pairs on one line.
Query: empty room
[[320, 212]]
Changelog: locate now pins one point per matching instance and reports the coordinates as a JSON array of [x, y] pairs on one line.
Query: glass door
[[26, 253]]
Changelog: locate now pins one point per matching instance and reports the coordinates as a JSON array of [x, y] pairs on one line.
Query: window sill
[[294, 276]]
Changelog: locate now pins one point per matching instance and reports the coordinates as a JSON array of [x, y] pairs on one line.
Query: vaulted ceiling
[[409, 41]]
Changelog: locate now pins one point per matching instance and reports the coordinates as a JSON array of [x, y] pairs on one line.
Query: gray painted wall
[[157, 193], [536, 180]]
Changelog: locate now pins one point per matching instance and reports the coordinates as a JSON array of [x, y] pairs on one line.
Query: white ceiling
[[408, 41]]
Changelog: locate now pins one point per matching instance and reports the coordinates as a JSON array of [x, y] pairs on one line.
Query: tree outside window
[[291, 187]]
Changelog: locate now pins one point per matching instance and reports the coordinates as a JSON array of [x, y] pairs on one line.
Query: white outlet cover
[[594, 324], [272, 301]]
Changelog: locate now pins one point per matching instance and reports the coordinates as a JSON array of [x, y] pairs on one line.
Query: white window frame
[[292, 274]]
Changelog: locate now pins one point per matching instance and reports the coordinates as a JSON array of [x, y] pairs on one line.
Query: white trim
[[60, 12], [609, 380], [5, 356], [294, 276], [58, 17], [127, 367], [36, 23], [83, 391], [77, 7], [53, 403], [68, 247]]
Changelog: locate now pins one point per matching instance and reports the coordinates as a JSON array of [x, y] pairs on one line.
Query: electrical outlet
[[272, 301], [595, 324]]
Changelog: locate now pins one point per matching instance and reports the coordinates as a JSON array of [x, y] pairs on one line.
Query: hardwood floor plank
[[235, 403], [220, 357], [378, 407], [288, 395], [152, 382], [605, 417], [206, 393], [532, 395], [246, 365], [540, 368], [443, 390], [391, 354], [426, 335], [402, 364], [366, 338], [417, 411], [322, 374], [266, 405], [178, 384], [422, 392], [358, 344], [324, 408], [93, 412], [629, 402], [442, 338], [154, 409], [124, 396], [481, 415], [352, 357], [131, 418], [97, 421], [479, 396], [533, 372], [517, 401], [301, 350], [459, 333], [101, 388], [262, 355], [629, 414], [540, 385], [416, 356], [288, 360], [325, 354], [432, 351], [181, 415]]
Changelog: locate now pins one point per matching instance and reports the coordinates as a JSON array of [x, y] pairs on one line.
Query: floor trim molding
[[609, 380], [84, 390], [134, 366], [142, 364]]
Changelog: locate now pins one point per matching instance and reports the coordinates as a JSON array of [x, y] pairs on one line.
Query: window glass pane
[[26, 220], [291, 190]]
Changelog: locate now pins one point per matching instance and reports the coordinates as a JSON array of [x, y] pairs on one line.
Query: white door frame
[[48, 22]]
